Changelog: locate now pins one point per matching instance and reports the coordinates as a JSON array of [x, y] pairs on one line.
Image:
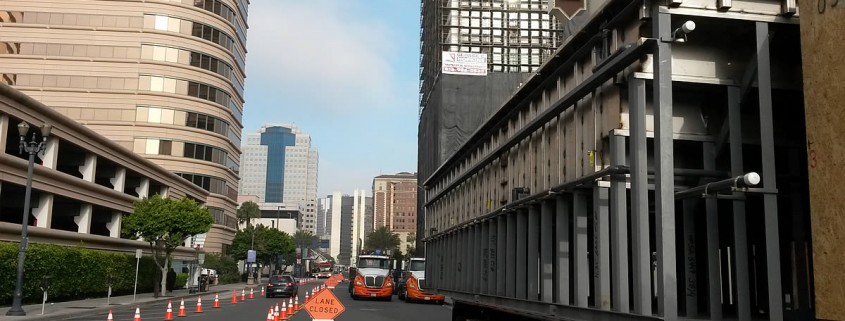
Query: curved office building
[[163, 78]]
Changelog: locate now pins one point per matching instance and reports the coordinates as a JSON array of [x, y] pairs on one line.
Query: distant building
[[83, 184], [280, 166], [277, 216], [515, 37], [395, 204], [164, 79], [345, 217]]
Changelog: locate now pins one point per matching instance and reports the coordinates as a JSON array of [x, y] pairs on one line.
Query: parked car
[[282, 285]]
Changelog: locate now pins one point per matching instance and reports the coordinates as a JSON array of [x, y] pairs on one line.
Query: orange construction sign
[[324, 306], [331, 283]]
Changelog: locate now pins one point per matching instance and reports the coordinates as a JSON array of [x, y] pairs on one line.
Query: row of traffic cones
[[168, 314]]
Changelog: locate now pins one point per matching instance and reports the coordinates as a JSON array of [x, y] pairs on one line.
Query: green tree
[[270, 244], [304, 239], [165, 223], [248, 211], [411, 249], [383, 239]]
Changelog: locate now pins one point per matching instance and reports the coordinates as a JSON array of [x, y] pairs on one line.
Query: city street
[[256, 309]]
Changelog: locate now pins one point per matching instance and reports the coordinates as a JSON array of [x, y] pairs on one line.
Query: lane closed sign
[[324, 306]]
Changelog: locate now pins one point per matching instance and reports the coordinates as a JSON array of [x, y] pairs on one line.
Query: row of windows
[[193, 58], [196, 29], [222, 10], [154, 146], [190, 88], [158, 53], [71, 19], [221, 218], [211, 184], [80, 82], [162, 115]]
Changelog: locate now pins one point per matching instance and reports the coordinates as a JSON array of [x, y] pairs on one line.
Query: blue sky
[[345, 72]]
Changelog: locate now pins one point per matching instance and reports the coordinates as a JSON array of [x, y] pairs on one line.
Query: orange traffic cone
[[182, 309], [243, 295], [262, 291], [216, 301], [234, 297], [284, 312], [168, 315], [137, 314], [306, 297], [110, 317], [270, 314], [251, 294], [199, 304], [276, 313], [290, 306], [296, 303]]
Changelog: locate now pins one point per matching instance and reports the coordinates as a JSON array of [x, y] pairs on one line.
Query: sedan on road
[[282, 285]]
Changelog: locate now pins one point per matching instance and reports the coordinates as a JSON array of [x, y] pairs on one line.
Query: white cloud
[[318, 52]]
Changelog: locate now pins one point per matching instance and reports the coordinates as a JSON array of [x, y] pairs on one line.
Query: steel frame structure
[[571, 201]]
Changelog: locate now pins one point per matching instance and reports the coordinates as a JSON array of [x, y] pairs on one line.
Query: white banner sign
[[464, 63]]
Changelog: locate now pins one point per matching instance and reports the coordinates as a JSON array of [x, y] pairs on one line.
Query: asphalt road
[[256, 309]]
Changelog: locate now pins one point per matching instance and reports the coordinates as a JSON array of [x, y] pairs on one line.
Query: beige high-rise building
[[395, 205], [163, 78]]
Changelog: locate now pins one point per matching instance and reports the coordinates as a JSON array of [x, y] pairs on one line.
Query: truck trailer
[[661, 165]]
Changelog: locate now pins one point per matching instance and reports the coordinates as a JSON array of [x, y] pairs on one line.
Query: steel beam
[[580, 264], [521, 253], [767, 146], [547, 251], [601, 247], [501, 255], [619, 229], [640, 248], [563, 280], [712, 216], [690, 256], [743, 292], [473, 274], [533, 252], [511, 275], [492, 244], [483, 267], [664, 165]]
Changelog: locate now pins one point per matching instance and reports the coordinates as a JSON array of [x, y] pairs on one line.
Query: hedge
[[77, 273]]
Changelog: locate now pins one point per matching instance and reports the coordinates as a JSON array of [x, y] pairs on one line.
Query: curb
[[75, 314]]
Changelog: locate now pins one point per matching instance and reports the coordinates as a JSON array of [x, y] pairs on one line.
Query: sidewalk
[[70, 309]]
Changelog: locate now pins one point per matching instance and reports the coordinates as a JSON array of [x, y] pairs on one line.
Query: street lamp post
[[34, 146]]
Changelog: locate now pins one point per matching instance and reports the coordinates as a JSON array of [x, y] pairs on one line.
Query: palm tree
[[383, 239], [248, 211], [304, 239]]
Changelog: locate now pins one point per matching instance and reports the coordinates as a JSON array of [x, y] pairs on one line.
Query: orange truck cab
[[372, 278], [415, 286]]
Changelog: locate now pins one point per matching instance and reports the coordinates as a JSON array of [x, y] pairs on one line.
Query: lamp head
[[45, 131], [23, 128]]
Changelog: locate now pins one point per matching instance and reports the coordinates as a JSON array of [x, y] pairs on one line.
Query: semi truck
[[414, 288], [662, 164], [372, 278]]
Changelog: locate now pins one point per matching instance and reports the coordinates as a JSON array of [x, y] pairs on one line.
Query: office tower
[[280, 166], [395, 205], [474, 55], [161, 78]]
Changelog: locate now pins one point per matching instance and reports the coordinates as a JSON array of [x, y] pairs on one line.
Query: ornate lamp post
[[33, 147]]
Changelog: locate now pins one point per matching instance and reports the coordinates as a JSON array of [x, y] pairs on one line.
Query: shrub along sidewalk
[[77, 273]]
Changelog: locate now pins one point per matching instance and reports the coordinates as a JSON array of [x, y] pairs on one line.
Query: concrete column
[[601, 246], [547, 247], [83, 220], [165, 192], [119, 179], [4, 128], [143, 190], [511, 270], [580, 264], [43, 210], [89, 168], [562, 248], [501, 255], [521, 253], [115, 224], [50, 155], [533, 252]]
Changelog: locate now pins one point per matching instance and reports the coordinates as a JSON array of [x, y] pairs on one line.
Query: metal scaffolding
[[615, 185]]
